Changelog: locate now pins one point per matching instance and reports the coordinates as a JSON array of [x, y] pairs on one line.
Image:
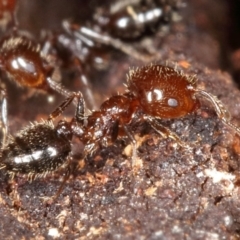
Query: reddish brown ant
[[24, 61], [154, 93], [21, 59]]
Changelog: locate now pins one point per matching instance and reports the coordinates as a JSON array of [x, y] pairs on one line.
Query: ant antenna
[[221, 111]]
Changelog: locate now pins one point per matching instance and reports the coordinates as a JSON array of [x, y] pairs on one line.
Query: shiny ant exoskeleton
[[133, 19], [154, 93], [22, 61], [41, 147]]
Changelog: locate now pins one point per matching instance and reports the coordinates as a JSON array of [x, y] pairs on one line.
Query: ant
[[24, 62], [132, 19], [21, 59], [154, 93], [125, 21], [27, 63]]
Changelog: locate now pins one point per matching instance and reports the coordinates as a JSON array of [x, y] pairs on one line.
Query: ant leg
[[3, 115], [53, 84], [85, 34], [68, 173], [60, 89], [116, 43], [221, 111], [164, 131], [79, 115], [86, 88]]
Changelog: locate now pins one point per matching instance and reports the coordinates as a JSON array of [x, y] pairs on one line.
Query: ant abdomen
[[21, 59], [132, 22], [162, 92], [38, 149]]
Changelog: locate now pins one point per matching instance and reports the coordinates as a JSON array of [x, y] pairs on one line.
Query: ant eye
[[172, 102]]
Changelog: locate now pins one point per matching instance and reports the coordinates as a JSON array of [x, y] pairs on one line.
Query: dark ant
[[125, 21], [133, 19], [154, 93]]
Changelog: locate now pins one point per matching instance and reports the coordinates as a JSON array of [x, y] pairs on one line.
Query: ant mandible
[[154, 93]]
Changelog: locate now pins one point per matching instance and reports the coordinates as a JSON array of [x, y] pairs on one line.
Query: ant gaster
[[132, 19], [21, 59], [153, 93]]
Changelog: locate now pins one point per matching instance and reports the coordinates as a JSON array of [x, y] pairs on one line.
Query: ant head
[[162, 91]]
